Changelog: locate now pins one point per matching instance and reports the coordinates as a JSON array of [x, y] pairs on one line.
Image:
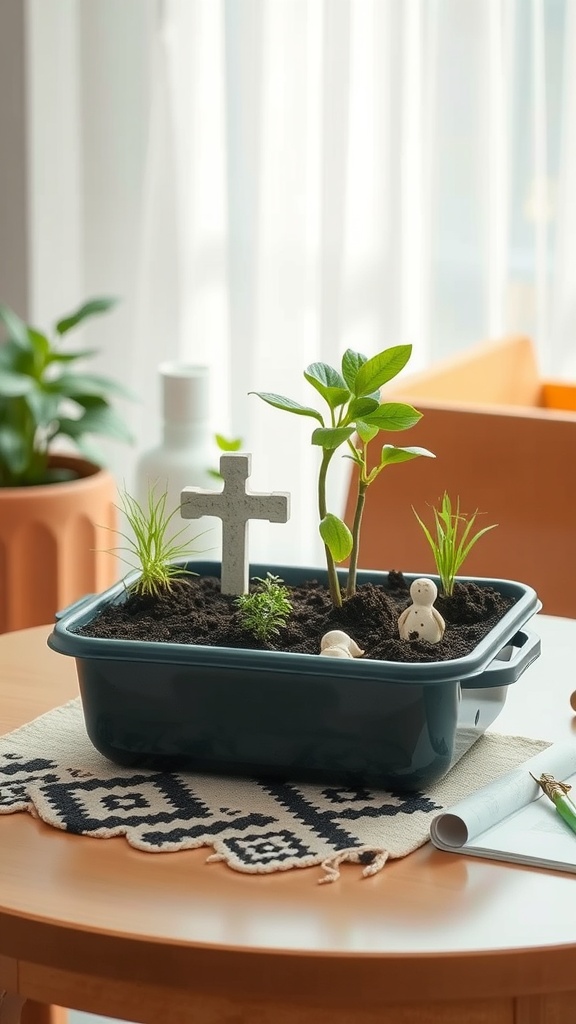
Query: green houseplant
[[356, 415], [54, 493], [45, 397]]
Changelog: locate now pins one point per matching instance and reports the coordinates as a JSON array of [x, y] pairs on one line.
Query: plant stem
[[333, 583], [351, 587]]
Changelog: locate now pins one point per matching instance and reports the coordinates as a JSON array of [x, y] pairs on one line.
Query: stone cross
[[235, 505]]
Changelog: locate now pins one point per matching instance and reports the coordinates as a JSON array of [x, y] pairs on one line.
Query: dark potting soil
[[195, 612]]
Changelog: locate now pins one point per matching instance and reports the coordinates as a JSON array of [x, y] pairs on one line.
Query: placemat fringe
[[373, 857]]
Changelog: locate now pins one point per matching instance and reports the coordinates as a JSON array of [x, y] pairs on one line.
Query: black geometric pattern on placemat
[[326, 811], [15, 794], [13, 765], [268, 847], [407, 803], [83, 807], [16, 774], [214, 829]]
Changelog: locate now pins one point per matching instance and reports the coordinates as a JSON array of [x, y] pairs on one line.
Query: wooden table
[[433, 938]]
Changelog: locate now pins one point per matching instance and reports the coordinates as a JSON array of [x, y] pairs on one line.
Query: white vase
[[187, 451]]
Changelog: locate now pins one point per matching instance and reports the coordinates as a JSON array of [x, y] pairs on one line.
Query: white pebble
[[338, 638]]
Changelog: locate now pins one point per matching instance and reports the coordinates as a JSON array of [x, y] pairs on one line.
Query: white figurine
[[421, 620], [337, 644]]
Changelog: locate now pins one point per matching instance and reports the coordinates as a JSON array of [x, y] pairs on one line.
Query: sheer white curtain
[[325, 174]]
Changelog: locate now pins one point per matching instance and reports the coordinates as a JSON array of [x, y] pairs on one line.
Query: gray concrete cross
[[235, 505]]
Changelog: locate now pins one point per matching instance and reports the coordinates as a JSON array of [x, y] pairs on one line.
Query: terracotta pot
[[53, 541]]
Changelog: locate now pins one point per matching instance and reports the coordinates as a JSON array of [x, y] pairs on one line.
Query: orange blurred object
[[53, 541]]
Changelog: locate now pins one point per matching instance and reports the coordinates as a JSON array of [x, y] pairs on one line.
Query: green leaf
[[96, 420], [355, 455], [361, 407], [390, 454], [13, 450], [366, 431], [41, 347], [226, 444], [70, 357], [287, 404], [351, 363], [74, 385], [43, 406], [17, 329], [428, 535], [464, 549], [328, 383], [336, 536], [331, 437], [393, 416], [17, 359], [445, 512], [90, 308], [9, 356], [381, 368], [14, 385]]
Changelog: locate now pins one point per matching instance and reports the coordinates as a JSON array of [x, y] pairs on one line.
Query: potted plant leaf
[[202, 676], [55, 498]]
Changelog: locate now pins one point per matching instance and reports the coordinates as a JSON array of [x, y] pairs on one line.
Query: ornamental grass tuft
[[153, 550], [450, 549]]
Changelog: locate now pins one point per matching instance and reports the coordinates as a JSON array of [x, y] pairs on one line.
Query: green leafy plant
[[153, 550], [44, 396], [354, 408], [452, 540], [267, 608], [225, 444]]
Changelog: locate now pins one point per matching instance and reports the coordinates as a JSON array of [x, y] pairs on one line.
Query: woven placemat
[[50, 769]]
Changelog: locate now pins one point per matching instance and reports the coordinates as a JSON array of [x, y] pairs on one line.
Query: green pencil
[[556, 792]]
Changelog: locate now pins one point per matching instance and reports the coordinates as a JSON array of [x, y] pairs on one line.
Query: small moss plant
[[153, 551], [450, 549], [266, 609], [354, 407]]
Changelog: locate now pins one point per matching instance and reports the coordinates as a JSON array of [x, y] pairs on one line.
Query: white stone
[[336, 651], [337, 638], [235, 505]]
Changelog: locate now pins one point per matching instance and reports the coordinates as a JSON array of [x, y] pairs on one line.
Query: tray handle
[[509, 663]]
